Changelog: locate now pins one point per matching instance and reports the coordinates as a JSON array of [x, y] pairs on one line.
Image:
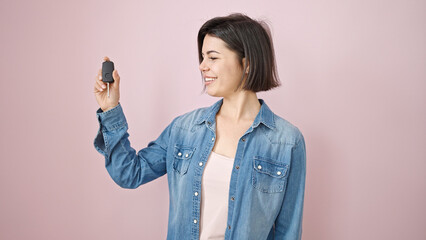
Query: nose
[[203, 67]]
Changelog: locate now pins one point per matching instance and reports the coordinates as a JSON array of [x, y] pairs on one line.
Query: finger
[[116, 76], [106, 58], [101, 85], [99, 76], [95, 89], [98, 88]]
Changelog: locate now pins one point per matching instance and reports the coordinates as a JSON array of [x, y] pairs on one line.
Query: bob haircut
[[247, 38]]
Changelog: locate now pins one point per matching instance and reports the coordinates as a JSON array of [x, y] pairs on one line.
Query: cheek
[[228, 72], [234, 74]]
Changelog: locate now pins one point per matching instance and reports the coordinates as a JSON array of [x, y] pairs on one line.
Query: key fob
[[107, 69]]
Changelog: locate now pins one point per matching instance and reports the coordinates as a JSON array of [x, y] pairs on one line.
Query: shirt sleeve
[[288, 225], [126, 168]]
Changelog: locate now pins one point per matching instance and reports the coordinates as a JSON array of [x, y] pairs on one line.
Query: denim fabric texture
[[267, 183]]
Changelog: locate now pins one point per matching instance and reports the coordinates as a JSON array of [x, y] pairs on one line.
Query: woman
[[235, 169]]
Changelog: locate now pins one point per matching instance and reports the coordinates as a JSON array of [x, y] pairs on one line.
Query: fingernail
[[103, 86], [100, 77]]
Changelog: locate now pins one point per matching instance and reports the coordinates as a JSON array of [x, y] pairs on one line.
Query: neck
[[242, 106]]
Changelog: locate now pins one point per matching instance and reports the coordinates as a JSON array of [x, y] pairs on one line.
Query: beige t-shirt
[[214, 196]]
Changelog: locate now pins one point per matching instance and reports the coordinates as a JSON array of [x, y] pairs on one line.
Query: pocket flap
[[270, 167], [183, 152]]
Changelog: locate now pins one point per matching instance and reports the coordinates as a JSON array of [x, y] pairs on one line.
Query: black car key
[[107, 69]]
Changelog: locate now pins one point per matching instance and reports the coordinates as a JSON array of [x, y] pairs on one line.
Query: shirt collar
[[265, 115]]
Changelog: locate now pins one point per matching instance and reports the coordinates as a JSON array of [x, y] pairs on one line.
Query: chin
[[213, 93], [216, 94]]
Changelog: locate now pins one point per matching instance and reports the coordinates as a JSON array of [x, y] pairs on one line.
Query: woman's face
[[221, 66]]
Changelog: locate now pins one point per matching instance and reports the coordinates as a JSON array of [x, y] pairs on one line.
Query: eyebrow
[[211, 51]]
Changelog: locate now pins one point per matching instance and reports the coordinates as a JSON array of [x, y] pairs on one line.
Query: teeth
[[209, 79]]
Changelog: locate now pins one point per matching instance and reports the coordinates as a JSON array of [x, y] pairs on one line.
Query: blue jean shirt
[[267, 185]]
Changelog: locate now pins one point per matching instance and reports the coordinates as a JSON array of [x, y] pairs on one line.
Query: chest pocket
[[269, 176], [182, 158]]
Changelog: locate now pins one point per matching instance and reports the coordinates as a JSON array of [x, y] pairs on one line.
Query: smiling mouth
[[208, 79]]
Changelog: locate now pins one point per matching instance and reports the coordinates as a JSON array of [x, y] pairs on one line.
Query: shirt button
[[243, 139], [237, 167], [229, 226], [196, 193], [200, 163], [232, 198], [212, 138], [259, 167], [279, 173], [186, 155], [209, 123], [195, 220], [179, 154]]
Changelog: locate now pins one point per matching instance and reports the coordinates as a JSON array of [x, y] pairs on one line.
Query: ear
[[248, 65]]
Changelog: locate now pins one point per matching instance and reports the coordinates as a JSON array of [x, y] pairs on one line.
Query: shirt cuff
[[112, 119]]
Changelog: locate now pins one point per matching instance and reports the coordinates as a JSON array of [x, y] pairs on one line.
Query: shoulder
[[285, 132]]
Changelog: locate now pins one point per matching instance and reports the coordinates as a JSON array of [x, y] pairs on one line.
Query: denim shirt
[[267, 185]]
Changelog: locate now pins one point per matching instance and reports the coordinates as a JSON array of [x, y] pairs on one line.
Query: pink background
[[354, 82]]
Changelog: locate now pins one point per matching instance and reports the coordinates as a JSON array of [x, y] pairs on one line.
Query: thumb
[[116, 77]]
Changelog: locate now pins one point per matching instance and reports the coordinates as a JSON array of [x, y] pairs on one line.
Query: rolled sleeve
[[110, 120]]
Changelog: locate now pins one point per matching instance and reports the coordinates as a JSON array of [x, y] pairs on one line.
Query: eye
[[211, 58]]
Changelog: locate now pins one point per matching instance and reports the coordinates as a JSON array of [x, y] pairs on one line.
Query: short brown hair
[[247, 38]]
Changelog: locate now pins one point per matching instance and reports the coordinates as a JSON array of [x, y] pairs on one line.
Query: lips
[[209, 79]]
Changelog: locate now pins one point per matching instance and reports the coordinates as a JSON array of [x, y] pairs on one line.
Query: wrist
[[109, 108]]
